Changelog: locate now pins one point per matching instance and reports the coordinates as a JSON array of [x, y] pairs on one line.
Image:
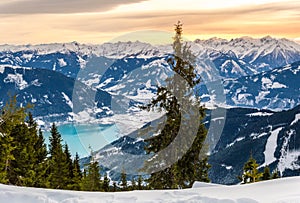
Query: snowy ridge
[[114, 50], [246, 49], [245, 46], [285, 190]]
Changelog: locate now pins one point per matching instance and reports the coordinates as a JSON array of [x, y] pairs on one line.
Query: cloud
[[269, 18], [279, 19], [60, 6]]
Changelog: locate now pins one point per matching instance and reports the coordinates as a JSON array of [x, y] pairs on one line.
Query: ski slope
[[275, 191]]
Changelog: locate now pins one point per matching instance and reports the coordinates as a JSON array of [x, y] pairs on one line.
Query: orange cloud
[[279, 19]]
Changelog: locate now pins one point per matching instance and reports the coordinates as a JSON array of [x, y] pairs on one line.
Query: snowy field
[[275, 191]]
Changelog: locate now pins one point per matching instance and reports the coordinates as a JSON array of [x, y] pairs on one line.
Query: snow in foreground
[[280, 190]]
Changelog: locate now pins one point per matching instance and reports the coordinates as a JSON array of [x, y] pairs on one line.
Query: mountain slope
[[50, 92], [272, 137], [276, 89]]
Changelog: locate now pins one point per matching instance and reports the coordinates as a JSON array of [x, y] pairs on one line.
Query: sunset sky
[[98, 21]]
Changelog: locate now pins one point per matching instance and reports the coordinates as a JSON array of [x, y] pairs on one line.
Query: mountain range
[[255, 80]]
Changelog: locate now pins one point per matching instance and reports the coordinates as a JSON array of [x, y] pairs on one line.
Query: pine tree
[[34, 154], [23, 166], [32, 125], [59, 168], [106, 183], [20, 138], [41, 148], [77, 175], [42, 164], [251, 173], [91, 180], [55, 141], [133, 184], [6, 157], [266, 174], [275, 174], [185, 161], [140, 183], [28, 150], [11, 116], [69, 164], [114, 186], [123, 180], [84, 181]]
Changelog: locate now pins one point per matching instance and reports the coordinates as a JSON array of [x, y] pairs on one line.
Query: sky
[[98, 21]]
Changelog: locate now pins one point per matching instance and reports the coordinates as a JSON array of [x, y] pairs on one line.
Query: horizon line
[[297, 40]]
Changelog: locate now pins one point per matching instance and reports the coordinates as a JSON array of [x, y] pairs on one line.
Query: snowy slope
[[276, 89], [50, 92], [271, 137], [284, 190]]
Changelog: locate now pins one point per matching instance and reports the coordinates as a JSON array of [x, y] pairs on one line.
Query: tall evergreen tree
[[11, 116], [77, 175], [33, 154], [183, 133], [40, 147], [23, 153], [23, 166], [6, 157], [55, 141], [42, 163], [69, 163], [251, 173], [91, 179], [59, 168]]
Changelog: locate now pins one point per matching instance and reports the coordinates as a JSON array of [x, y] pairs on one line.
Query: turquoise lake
[[80, 136]]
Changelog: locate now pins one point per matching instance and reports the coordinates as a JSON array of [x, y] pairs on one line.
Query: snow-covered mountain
[[264, 54], [276, 89], [234, 58], [131, 71]]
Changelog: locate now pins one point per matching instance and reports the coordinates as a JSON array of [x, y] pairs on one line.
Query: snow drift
[[283, 190]]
